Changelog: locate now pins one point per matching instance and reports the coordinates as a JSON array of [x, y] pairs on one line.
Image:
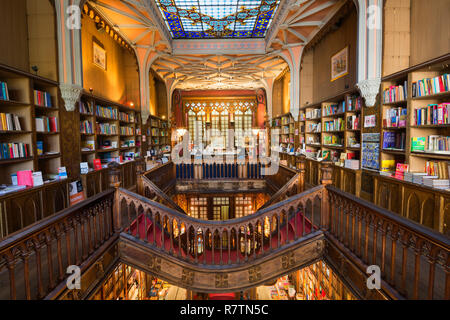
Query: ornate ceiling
[[200, 19], [240, 59]]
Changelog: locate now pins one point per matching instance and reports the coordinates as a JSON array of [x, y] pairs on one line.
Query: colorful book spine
[[430, 86]]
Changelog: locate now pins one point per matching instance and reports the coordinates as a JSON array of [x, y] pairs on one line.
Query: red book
[[53, 124], [441, 85], [25, 178], [97, 164]]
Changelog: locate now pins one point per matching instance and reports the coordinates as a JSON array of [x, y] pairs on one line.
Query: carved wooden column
[[301, 168], [140, 170], [114, 182], [326, 169]]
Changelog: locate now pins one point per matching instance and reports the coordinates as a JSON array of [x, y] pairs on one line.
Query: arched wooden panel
[[413, 207], [446, 227], [428, 213], [383, 196], [30, 212]]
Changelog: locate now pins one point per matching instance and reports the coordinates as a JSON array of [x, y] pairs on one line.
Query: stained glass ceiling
[[200, 19]]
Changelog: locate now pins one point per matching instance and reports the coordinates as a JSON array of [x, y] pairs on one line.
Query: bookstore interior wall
[[430, 35], [28, 27], [152, 90], [162, 99], [332, 43], [306, 78], [111, 83], [281, 94], [396, 36]]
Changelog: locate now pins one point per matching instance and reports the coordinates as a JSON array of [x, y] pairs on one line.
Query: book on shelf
[[14, 150], [400, 170], [84, 167], [334, 109], [354, 103], [313, 114], [353, 142], [418, 144], [438, 168], [333, 140], [10, 189], [42, 98], [86, 108], [106, 112], [351, 164], [395, 93], [370, 151], [106, 128], [37, 178], [353, 122], [127, 131], [394, 140], [387, 165], [432, 114], [88, 145], [62, 173], [40, 147], [395, 117], [430, 86], [126, 117], [414, 177], [4, 94], [437, 183], [436, 143], [46, 124], [334, 125], [86, 127], [10, 122], [25, 178], [97, 164]]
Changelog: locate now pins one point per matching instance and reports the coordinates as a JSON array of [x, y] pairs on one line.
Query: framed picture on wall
[[99, 55], [339, 64]]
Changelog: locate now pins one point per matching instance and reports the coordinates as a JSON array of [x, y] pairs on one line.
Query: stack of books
[[437, 183], [414, 177]]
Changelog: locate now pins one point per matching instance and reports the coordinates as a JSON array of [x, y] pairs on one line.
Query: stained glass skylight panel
[[199, 19]]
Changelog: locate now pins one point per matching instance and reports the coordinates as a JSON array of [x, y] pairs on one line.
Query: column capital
[[369, 89], [70, 93]]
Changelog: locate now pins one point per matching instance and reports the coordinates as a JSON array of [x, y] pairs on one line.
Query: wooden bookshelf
[[158, 135], [121, 129], [21, 102], [346, 108]]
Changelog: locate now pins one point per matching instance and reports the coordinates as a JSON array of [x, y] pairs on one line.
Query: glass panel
[[194, 19]]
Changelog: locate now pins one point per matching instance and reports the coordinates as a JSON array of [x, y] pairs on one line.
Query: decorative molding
[[219, 46], [254, 274], [369, 89], [288, 260], [70, 93], [221, 280]]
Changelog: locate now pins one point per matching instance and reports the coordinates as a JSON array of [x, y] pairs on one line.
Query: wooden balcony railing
[[414, 260], [227, 242], [33, 261]]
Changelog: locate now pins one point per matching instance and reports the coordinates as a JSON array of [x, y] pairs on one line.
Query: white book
[[84, 167], [37, 179], [40, 125]]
